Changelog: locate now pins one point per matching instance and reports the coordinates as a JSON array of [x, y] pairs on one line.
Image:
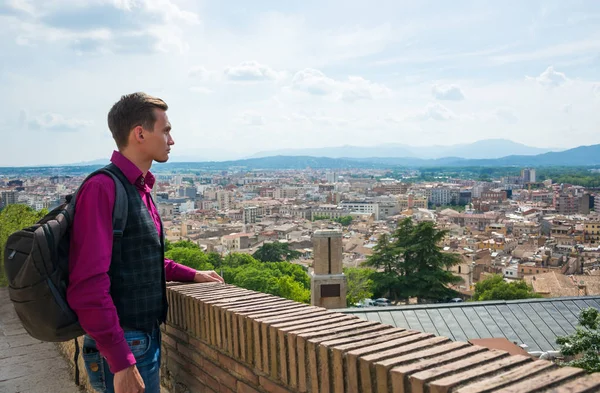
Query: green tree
[[297, 272], [168, 245], [284, 279], [215, 259], [238, 259], [293, 290], [192, 257], [257, 278], [495, 288], [360, 285], [275, 252], [14, 218], [584, 342], [345, 220], [186, 244], [412, 264]]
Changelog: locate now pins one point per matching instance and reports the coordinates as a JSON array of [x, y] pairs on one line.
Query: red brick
[[221, 375], [183, 336], [272, 387], [225, 389], [191, 383], [169, 341], [205, 378], [191, 354], [204, 349], [445, 384], [546, 380], [588, 384], [507, 378], [243, 388], [242, 371]]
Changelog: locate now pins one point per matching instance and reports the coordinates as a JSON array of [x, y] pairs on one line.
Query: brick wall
[[224, 339]]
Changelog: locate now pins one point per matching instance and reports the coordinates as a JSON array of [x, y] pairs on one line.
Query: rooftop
[[534, 322]]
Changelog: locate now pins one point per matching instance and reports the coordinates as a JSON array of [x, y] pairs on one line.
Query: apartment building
[[250, 214], [225, 200], [362, 207], [592, 232], [236, 241], [8, 198], [411, 201]]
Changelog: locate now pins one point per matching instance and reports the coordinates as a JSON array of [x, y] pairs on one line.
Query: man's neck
[[142, 163]]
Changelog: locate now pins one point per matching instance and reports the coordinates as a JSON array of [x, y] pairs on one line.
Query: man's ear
[[138, 134]]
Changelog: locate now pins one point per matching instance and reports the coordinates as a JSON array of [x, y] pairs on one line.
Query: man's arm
[[90, 255], [177, 272]]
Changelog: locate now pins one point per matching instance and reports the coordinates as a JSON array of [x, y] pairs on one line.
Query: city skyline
[[280, 76]]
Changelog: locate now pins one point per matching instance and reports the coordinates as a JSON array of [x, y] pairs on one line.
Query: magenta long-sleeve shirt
[[88, 293]]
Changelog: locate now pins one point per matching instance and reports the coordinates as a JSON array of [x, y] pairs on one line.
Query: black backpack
[[36, 263]]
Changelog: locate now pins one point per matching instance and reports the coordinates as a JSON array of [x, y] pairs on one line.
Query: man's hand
[[129, 380], [208, 276]]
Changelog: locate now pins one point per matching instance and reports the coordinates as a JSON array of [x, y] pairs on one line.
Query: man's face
[[158, 142]]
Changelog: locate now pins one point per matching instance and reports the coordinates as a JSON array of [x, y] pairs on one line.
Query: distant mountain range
[[579, 156], [484, 149]]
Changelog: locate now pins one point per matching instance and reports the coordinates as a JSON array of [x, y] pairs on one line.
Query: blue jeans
[[146, 349]]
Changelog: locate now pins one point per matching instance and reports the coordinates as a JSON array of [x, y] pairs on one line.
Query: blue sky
[[247, 76]]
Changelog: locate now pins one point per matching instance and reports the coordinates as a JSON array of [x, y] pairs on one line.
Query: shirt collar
[[131, 171]]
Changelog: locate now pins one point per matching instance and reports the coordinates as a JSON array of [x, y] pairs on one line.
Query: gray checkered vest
[[137, 276]]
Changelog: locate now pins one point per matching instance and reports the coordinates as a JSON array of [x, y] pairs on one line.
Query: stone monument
[[328, 282]]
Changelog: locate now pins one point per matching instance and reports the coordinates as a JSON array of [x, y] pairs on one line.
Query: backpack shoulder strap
[[121, 208]]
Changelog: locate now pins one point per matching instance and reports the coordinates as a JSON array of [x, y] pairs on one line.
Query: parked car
[[365, 303], [382, 302]]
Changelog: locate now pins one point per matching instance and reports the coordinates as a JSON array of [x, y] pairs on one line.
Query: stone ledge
[[268, 344]]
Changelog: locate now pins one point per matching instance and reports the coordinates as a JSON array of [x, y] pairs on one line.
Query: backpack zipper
[[12, 254]]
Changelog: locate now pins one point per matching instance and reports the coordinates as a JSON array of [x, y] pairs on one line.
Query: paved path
[[28, 365]]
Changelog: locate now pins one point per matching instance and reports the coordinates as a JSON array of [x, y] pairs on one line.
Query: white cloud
[[550, 78], [567, 108], [251, 71], [447, 92], [313, 82], [250, 118], [24, 6], [54, 122], [508, 115], [202, 74], [356, 88], [596, 89], [105, 26], [436, 111]]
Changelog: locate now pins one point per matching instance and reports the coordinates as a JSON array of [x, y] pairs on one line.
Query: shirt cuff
[[119, 356], [178, 272]]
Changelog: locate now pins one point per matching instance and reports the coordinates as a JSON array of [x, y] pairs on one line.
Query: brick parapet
[[221, 338]]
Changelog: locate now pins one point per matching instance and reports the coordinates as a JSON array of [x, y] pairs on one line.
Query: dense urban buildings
[[545, 233]]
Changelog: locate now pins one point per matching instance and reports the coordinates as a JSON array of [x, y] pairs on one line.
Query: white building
[[332, 177], [528, 175], [362, 207], [250, 214]]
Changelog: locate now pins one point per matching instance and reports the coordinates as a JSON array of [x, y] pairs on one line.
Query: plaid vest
[[137, 276]]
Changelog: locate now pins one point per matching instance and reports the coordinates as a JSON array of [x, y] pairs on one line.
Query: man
[[121, 300]]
